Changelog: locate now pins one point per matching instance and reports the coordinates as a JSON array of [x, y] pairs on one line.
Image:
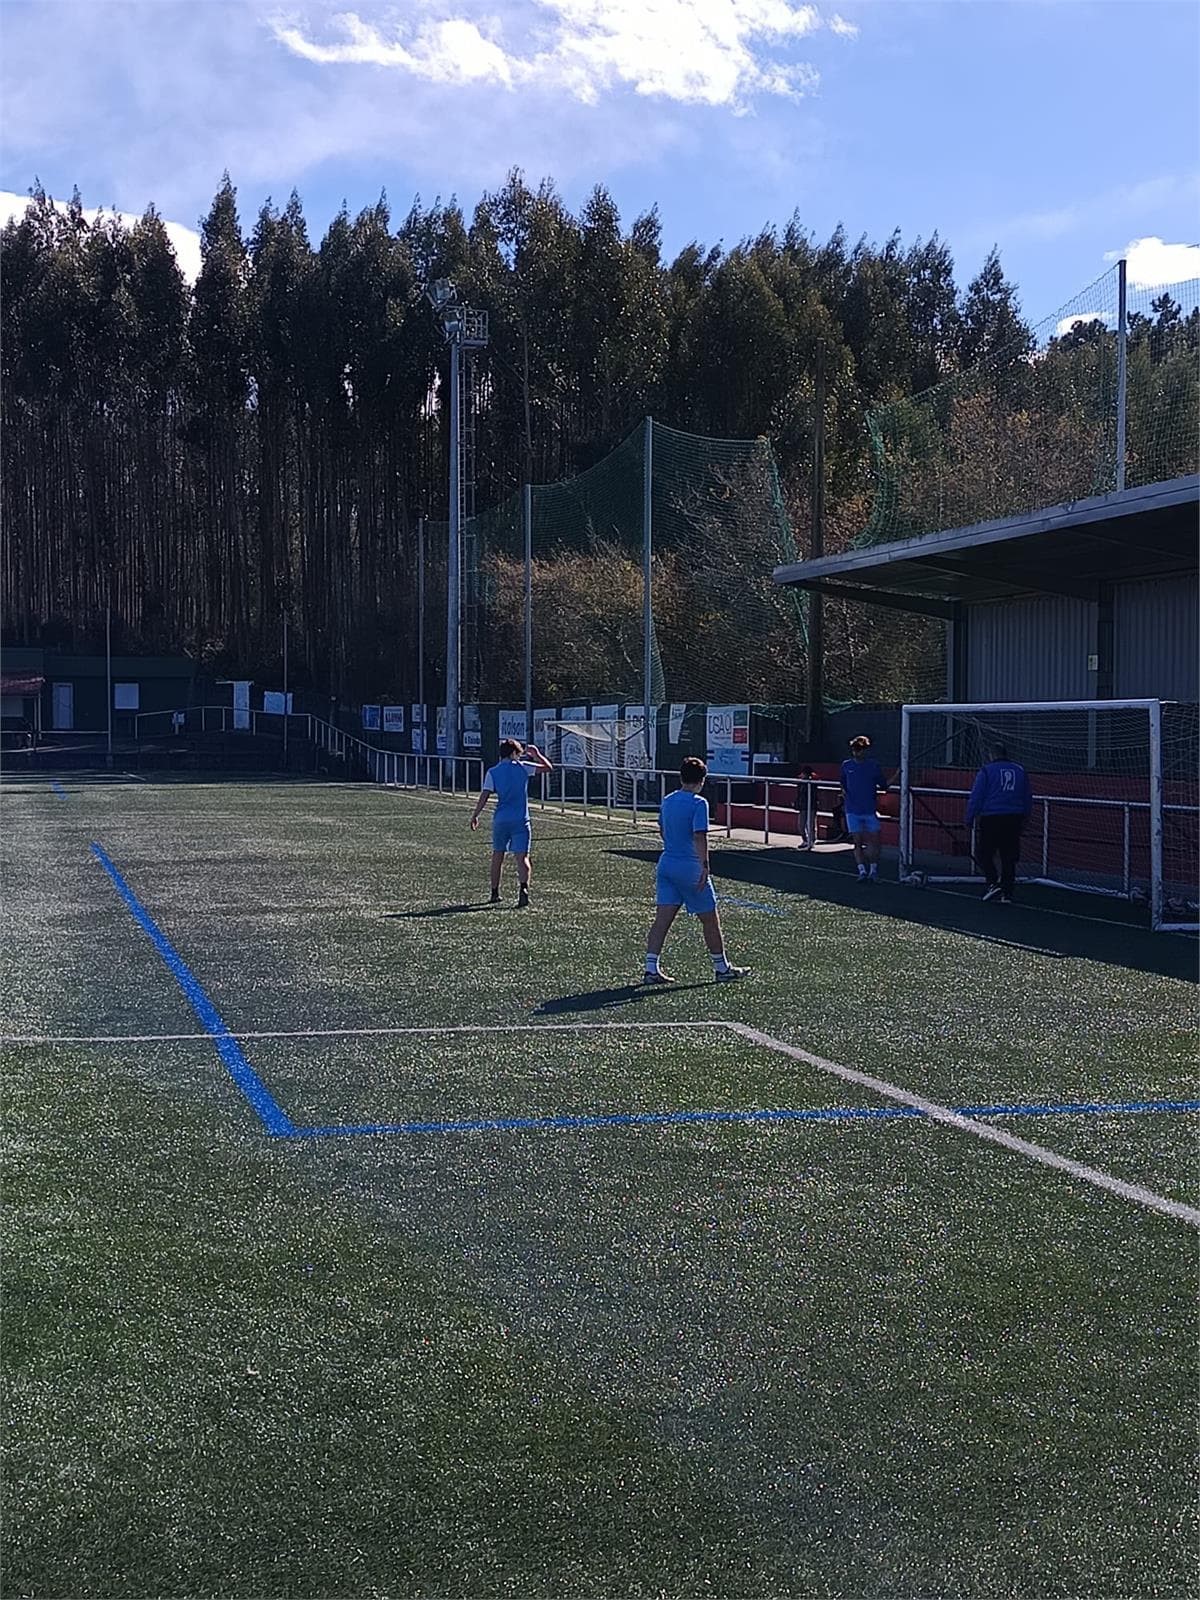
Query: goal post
[[612, 744], [1115, 803]]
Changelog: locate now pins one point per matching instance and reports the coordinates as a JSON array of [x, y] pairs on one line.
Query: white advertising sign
[[241, 703], [572, 746], [677, 715], [393, 719], [418, 741], [544, 736], [635, 757], [472, 738], [605, 752], [441, 730], [513, 726], [275, 701], [729, 739]]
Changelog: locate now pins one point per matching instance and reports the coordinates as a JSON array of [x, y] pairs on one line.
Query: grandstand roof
[[1138, 533]]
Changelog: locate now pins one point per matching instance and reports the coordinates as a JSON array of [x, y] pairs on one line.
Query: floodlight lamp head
[[440, 293]]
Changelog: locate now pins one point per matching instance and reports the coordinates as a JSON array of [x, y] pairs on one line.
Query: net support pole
[[647, 595], [285, 691], [527, 519], [421, 617], [108, 677], [904, 865], [453, 559], [1122, 352], [1156, 816]]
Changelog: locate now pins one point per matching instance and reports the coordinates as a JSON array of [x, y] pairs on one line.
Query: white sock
[[720, 963], [862, 871], [873, 869], [651, 962]]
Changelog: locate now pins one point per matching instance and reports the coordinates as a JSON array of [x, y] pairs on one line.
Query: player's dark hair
[[860, 742], [692, 770], [508, 749], [997, 752]]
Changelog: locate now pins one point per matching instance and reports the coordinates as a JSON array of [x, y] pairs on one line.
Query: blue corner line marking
[[243, 1074], [57, 788], [279, 1124]]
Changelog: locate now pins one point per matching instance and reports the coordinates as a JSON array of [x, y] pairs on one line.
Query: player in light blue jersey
[[683, 877], [508, 780]]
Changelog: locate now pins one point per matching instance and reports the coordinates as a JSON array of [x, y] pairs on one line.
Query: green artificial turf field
[[587, 1290]]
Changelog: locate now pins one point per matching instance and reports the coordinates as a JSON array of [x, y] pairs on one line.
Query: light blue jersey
[[679, 871], [509, 781], [682, 814]]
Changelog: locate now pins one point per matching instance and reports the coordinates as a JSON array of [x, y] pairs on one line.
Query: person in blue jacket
[[1000, 803], [862, 781]]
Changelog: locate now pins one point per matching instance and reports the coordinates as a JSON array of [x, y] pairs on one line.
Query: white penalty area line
[[932, 1109], [981, 1130]]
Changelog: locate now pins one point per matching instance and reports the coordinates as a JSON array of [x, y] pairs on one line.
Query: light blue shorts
[[676, 885], [862, 822], [512, 837]]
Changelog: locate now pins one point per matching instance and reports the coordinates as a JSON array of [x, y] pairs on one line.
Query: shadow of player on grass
[[444, 911], [1032, 924], [622, 995]]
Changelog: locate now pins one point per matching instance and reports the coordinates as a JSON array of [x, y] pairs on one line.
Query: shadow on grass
[[446, 911], [1039, 929], [623, 995]]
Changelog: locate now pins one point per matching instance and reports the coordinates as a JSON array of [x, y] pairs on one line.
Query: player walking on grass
[[1000, 803], [862, 781], [508, 780], [683, 877]]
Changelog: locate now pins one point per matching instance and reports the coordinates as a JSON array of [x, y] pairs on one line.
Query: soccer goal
[[613, 744], [1115, 805]]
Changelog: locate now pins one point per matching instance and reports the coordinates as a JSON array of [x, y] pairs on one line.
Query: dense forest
[[205, 457]]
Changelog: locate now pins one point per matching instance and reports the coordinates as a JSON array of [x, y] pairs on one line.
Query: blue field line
[[57, 788], [628, 1119], [751, 905], [243, 1074]]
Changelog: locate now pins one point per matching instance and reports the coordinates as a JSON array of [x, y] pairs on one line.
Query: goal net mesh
[[1091, 773], [613, 744]]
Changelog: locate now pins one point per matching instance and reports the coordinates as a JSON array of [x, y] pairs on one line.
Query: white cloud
[[1067, 323], [184, 241], [1152, 263], [698, 52], [844, 29]]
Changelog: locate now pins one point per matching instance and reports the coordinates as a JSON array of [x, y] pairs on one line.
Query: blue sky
[[1059, 131]]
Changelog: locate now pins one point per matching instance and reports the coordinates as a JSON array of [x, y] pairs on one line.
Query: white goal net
[[1115, 803], [611, 744]]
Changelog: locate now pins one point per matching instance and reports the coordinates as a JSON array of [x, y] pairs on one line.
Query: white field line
[[981, 1130], [880, 1086], [347, 1033]]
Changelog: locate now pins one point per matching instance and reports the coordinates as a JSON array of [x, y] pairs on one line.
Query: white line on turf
[[981, 1130], [348, 1033], [889, 1091]]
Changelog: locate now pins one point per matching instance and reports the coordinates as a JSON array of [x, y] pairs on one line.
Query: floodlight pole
[[647, 594], [453, 572], [527, 518], [1122, 354], [816, 602]]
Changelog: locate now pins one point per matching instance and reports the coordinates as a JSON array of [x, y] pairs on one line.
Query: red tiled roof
[[21, 683]]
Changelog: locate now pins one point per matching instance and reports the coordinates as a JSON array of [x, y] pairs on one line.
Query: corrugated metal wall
[[1031, 649], [1157, 639]]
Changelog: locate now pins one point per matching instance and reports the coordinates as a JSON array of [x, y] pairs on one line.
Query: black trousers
[[998, 836]]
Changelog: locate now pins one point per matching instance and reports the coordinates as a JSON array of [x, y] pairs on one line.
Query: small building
[[53, 691]]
